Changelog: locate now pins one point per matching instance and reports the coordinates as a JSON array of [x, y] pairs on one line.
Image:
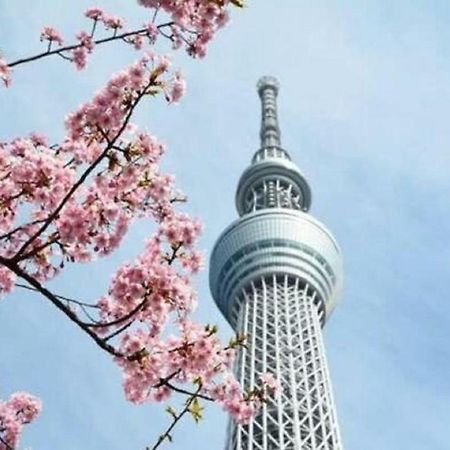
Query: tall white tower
[[276, 274]]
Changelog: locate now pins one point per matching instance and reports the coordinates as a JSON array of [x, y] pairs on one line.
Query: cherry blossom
[[5, 72], [178, 88], [20, 409], [52, 35], [113, 22], [152, 32], [272, 384], [94, 13], [7, 280]]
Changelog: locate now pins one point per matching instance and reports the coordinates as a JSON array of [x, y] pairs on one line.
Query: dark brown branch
[[68, 48], [170, 259], [163, 381], [59, 304], [82, 305]]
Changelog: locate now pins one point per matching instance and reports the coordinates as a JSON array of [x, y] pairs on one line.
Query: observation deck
[[276, 241]]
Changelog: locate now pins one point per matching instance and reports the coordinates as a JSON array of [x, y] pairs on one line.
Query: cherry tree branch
[[60, 305], [61, 50]]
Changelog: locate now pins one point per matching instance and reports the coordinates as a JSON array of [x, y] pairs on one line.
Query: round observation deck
[[276, 241]]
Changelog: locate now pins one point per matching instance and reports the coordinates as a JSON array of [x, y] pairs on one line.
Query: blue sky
[[364, 111]]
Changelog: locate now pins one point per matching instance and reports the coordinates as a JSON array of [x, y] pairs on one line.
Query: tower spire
[[270, 134], [270, 131]]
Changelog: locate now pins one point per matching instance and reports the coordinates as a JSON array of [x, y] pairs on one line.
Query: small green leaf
[[172, 411], [196, 410]]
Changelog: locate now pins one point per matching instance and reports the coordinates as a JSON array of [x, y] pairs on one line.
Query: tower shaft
[[279, 315]]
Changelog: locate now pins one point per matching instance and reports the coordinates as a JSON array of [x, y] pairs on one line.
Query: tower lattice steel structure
[[276, 274]]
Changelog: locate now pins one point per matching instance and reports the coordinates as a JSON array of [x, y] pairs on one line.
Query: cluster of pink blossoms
[[196, 356], [202, 19], [52, 35], [192, 24], [20, 409], [38, 179]]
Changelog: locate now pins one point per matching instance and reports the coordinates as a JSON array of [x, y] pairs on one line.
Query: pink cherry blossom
[[205, 18], [178, 88], [269, 380], [86, 41], [5, 72], [112, 22], [79, 56], [152, 32], [52, 35], [137, 41], [7, 280], [20, 409], [94, 13]]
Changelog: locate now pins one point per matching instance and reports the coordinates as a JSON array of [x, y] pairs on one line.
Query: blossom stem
[[94, 26]]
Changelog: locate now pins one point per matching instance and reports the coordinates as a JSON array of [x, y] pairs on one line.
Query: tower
[[275, 274]]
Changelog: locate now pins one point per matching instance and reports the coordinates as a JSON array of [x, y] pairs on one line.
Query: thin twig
[[121, 319], [118, 331], [186, 392], [61, 297], [176, 419], [18, 228]]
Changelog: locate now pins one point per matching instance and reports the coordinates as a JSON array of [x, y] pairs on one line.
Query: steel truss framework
[[279, 315]]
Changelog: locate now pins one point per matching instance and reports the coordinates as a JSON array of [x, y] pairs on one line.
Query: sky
[[364, 109]]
